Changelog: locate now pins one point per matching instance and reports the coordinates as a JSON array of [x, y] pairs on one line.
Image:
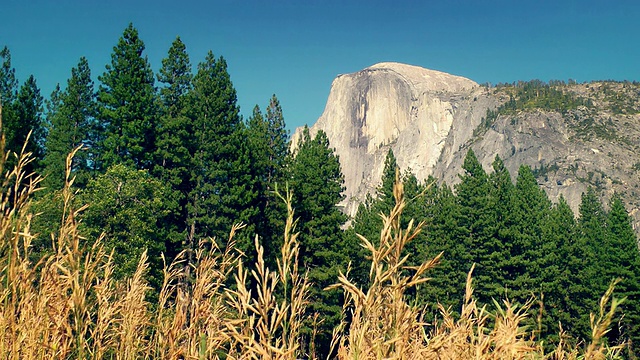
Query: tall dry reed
[[385, 326], [68, 305]]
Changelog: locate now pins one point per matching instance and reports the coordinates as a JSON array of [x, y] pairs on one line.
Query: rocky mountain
[[572, 135]]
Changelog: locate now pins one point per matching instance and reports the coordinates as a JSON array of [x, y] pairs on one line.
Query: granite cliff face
[[407, 108], [430, 119]]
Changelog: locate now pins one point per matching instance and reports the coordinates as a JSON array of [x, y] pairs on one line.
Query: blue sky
[[295, 48]]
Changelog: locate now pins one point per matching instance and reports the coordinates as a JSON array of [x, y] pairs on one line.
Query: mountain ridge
[[567, 133]]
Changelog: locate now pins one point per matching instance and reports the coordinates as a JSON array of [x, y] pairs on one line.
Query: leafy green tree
[[127, 106], [126, 204], [71, 119], [317, 184]]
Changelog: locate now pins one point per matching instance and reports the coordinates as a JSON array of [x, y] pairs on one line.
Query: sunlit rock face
[[408, 108], [431, 119]]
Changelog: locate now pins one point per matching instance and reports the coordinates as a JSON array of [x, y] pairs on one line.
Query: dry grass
[[384, 326], [68, 305]]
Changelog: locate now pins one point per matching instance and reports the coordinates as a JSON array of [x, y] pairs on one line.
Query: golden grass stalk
[[383, 324], [268, 324], [68, 305]]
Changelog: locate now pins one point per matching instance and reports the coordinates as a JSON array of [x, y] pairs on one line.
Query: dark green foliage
[[480, 219], [175, 143], [71, 124], [126, 204], [621, 259], [446, 233], [529, 209], [219, 154], [127, 106], [26, 122], [563, 255], [8, 82], [530, 95], [317, 184], [536, 94], [267, 141], [590, 282]]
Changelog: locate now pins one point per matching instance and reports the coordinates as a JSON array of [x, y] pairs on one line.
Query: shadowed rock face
[[428, 118]]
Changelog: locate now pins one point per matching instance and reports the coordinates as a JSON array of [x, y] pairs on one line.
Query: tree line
[[525, 247], [166, 161]]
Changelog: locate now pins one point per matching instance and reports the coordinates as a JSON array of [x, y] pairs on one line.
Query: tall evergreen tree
[[219, 154], [278, 137], [367, 221], [317, 184], [267, 141], [447, 233], [529, 209], [27, 111], [127, 106], [621, 259], [71, 119], [560, 286], [479, 217], [8, 82], [175, 142], [590, 284], [385, 190]]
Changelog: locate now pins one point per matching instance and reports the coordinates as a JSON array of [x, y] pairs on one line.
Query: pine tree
[[8, 82], [267, 141], [71, 119], [278, 137], [385, 191], [447, 233], [590, 284], [175, 142], [217, 198], [561, 286], [317, 184], [621, 259], [127, 106], [529, 209], [368, 222], [479, 217], [26, 123]]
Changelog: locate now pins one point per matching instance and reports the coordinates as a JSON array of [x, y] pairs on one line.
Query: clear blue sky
[[294, 48]]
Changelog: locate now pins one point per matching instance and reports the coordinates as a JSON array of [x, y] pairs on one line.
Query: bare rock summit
[[408, 108]]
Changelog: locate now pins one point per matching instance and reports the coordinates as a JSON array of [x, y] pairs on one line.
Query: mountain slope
[[573, 135]]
